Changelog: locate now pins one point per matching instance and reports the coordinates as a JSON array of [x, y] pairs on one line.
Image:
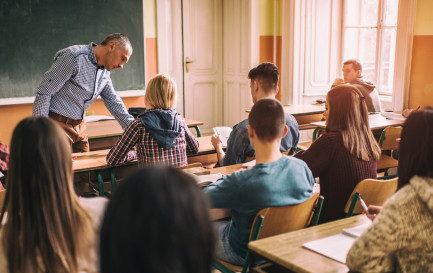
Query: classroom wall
[[421, 80], [270, 25], [11, 115]]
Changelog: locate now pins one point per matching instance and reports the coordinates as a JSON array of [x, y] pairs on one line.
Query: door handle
[[187, 62]]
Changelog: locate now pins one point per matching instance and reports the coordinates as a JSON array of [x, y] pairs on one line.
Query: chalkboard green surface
[[32, 31]]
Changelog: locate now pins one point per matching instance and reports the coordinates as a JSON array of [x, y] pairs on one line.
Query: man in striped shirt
[[77, 77]]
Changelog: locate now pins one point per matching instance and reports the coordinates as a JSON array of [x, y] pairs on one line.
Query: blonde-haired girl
[[160, 135]]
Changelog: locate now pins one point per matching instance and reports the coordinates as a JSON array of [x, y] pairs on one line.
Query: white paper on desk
[[355, 232], [335, 247], [224, 133], [94, 118], [248, 164], [204, 180], [392, 115]]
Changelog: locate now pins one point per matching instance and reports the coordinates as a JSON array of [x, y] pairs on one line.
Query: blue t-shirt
[[287, 181], [239, 146]]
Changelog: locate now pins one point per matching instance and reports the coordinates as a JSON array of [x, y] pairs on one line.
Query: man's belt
[[64, 119]]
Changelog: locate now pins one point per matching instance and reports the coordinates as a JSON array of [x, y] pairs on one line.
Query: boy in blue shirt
[[275, 180]]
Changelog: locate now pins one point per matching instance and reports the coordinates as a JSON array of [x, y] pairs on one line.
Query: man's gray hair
[[120, 39]]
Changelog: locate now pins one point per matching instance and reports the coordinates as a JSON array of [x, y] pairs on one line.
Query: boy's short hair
[[356, 65], [266, 74], [161, 92], [267, 119]]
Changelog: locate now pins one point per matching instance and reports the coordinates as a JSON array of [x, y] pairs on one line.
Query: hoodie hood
[[163, 125], [369, 85], [423, 187]]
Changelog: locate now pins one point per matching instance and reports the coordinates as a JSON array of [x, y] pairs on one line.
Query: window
[[370, 34]]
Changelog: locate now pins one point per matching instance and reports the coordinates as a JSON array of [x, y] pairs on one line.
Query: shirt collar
[[92, 53]]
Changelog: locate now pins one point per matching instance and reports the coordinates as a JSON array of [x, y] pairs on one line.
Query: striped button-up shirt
[[74, 82]]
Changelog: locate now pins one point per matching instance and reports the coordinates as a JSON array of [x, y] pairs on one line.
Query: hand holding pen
[[371, 211]]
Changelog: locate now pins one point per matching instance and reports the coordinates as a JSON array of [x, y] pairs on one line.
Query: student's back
[[160, 135], [47, 227], [275, 180]]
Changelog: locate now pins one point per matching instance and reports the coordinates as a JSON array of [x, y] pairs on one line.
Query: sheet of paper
[[355, 232], [392, 115], [335, 247], [248, 164], [94, 118]]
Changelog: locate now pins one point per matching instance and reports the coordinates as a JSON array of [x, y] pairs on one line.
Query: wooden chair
[[2, 198], [389, 140], [277, 220], [373, 192]]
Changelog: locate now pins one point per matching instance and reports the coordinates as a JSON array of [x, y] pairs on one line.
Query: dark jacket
[[163, 126]]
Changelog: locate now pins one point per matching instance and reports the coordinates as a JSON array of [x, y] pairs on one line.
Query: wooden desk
[[376, 121], [96, 161], [104, 134], [286, 250], [305, 114]]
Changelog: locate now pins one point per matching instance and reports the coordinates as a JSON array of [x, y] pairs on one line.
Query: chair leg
[[100, 183], [353, 204], [113, 179]]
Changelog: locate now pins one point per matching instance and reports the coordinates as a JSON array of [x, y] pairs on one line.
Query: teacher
[[79, 74]]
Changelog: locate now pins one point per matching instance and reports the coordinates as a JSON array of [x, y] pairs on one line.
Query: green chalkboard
[[32, 31]]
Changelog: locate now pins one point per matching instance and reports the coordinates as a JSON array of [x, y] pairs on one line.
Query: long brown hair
[[45, 223], [348, 114], [416, 147]]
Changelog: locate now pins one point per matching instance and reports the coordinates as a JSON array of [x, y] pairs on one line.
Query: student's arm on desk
[[192, 144], [223, 193], [121, 151], [375, 249], [216, 143]]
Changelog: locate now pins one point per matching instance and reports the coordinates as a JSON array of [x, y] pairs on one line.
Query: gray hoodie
[[163, 125]]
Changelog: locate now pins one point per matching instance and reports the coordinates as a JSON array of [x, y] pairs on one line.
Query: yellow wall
[[268, 24], [421, 80]]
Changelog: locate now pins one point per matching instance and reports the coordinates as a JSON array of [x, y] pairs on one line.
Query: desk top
[[111, 128], [286, 249], [376, 121], [96, 160]]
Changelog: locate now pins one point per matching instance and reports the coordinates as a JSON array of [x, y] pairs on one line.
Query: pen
[[364, 206]]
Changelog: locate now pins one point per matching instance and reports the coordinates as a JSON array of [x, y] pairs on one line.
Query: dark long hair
[[45, 222], [157, 221], [416, 147]]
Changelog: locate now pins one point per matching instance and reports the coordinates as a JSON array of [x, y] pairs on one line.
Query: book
[[392, 115], [337, 246], [224, 133]]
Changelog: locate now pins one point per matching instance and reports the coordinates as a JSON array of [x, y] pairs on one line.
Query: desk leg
[[113, 179], [100, 183], [198, 131]]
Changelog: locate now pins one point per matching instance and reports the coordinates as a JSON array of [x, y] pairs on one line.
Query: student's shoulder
[[74, 50], [243, 125], [292, 161]]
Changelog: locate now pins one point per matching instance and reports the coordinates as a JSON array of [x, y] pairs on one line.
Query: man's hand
[[216, 142], [338, 81]]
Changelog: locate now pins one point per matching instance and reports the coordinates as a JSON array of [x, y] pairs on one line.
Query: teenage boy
[[275, 180], [263, 84]]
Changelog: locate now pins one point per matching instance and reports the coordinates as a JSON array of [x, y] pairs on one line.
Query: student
[[48, 228], [264, 84], [160, 135], [276, 180], [346, 153], [400, 238], [157, 221]]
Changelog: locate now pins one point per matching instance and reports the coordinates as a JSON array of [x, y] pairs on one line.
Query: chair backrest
[[2, 198], [278, 220], [373, 192], [389, 139]]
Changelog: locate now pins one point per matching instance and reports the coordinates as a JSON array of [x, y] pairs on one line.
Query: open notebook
[[337, 246]]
